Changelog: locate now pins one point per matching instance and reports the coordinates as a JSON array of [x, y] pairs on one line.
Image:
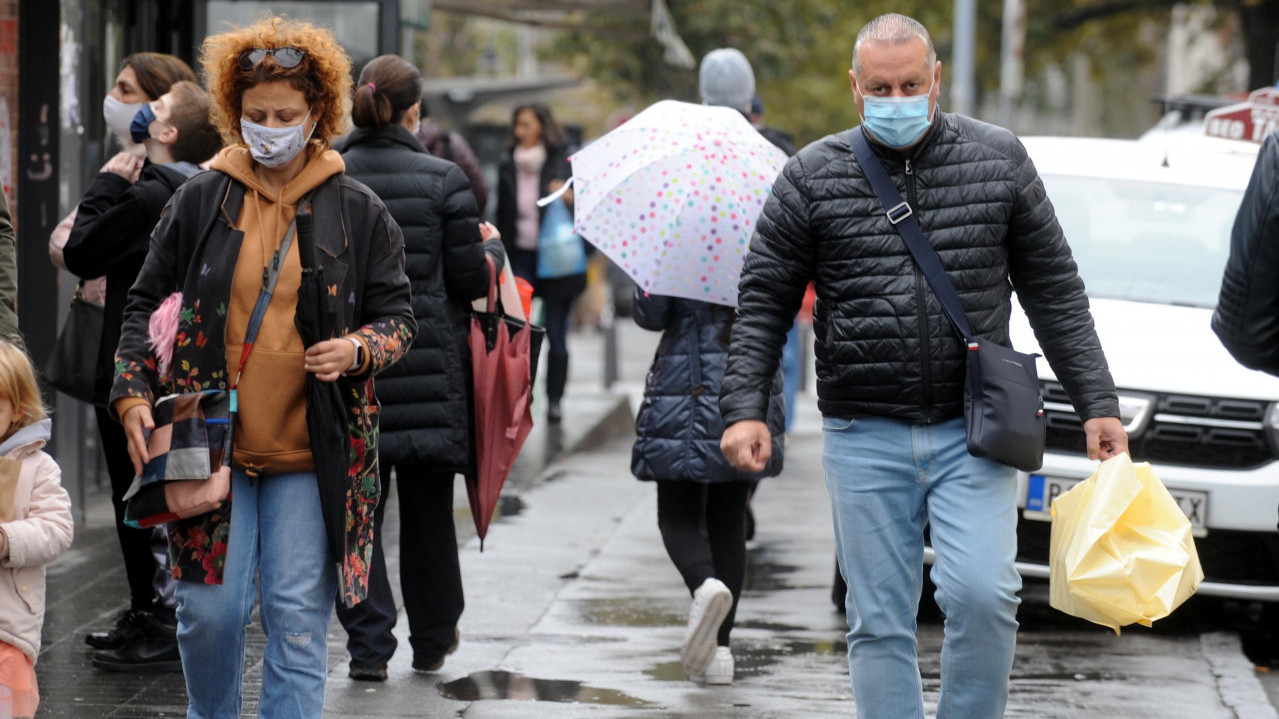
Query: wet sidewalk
[[574, 610], [87, 587]]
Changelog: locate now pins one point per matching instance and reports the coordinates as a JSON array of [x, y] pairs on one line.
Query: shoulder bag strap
[[902, 216], [270, 276]]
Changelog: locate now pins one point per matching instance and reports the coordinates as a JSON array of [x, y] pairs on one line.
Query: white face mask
[[275, 146], [118, 116]]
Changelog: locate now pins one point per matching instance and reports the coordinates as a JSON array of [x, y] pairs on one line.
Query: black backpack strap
[[902, 216]]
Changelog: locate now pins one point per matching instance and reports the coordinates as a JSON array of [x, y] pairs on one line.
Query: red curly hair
[[323, 76]]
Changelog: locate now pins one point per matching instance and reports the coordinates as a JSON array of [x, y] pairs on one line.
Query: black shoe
[[425, 665], [553, 414], [154, 651], [128, 626], [367, 674]]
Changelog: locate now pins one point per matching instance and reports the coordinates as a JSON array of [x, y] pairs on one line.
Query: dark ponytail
[[388, 86]]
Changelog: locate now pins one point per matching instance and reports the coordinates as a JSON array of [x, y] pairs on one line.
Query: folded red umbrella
[[502, 348]]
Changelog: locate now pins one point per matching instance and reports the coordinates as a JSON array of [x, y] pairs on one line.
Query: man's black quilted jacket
[[884, 346]]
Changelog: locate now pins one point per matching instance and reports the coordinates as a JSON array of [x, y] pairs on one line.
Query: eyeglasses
[[285, 57]]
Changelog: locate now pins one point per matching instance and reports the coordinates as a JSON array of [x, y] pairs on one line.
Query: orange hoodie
[[270, 429]]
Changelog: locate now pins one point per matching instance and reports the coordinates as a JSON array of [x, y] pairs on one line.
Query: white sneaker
[[711, 603], [720, 670]]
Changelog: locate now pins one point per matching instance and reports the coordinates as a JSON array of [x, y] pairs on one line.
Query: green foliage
[[801, 50]]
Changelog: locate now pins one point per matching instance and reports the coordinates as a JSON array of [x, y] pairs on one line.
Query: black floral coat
[[194, 249]]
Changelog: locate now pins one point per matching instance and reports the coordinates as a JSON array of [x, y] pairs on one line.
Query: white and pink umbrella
[[672, 196]]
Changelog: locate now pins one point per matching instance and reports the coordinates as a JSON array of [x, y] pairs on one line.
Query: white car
[[1149, 224]]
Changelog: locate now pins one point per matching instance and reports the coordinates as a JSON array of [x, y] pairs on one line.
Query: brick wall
[[9, 97]]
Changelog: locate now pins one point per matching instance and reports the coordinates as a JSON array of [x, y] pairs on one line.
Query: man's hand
[[135, 421], [1106, 437], [330, 358], [747, 445]]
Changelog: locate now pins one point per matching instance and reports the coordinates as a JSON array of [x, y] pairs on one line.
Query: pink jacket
[[40, 531]]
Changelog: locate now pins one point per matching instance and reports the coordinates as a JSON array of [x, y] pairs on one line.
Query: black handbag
[[73, 365], [1003, 406]]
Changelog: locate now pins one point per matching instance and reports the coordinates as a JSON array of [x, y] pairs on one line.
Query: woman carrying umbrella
[[535, 165], [678, 433], [280, 93], [426, 417]]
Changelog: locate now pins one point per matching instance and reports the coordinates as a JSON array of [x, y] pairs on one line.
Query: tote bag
[[560, 253], [73, 365]]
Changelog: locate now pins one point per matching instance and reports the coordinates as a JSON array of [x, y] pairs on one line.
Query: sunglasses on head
[[285, 57]]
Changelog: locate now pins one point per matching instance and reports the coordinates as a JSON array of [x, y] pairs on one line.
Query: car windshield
[[1146, 241]]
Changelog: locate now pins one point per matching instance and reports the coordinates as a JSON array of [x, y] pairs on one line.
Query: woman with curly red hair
[[280, 93]]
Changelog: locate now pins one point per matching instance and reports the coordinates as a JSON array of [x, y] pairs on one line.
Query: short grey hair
[[893, 28]]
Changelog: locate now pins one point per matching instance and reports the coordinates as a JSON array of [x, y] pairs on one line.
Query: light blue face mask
[[898, 122]]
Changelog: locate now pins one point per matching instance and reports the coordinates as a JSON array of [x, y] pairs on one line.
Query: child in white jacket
[[35, 527]]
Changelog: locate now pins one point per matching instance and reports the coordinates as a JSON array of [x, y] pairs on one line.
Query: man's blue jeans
[[791, 368], [277, 538], [887, 481]]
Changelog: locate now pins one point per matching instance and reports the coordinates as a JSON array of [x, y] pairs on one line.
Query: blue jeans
[[888, 480], [791, 368], [277, 540]]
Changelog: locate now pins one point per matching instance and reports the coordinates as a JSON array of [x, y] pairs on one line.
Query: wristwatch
[[359, 355]]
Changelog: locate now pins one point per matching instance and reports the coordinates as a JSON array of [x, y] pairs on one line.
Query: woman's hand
[[330, 358], [125, 165], [488, 232], [137, 422], [555, 185]]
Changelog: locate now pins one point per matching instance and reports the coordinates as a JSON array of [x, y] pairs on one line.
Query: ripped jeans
[[277, 539]]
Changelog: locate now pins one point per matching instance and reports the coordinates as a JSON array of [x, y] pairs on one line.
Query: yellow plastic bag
[[1121, 548]]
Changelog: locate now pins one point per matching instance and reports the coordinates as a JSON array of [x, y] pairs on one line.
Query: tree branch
[[1084, 15]]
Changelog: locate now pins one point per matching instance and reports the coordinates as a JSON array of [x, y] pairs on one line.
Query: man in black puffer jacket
[[1247, 315], [890, 368]]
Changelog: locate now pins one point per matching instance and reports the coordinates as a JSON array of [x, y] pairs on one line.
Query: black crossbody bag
[[1003, 407]]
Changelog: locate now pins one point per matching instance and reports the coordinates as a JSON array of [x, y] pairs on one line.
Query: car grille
[[1191, 440], [1250, 558]]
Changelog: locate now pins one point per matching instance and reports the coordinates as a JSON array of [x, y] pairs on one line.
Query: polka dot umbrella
[[672, 195]]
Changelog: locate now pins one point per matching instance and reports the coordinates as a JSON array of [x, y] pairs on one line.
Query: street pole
[[964, 77], [1011, 72], [608, 325]]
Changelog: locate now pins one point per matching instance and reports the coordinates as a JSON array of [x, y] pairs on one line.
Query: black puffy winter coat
[[1247, 315], [110, 237], [884, 346], [425, 396], [679, 425]]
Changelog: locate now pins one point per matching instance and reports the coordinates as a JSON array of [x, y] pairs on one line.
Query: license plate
[[1043, 490]]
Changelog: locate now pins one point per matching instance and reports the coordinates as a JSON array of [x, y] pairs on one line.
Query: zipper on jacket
[[921, 305]]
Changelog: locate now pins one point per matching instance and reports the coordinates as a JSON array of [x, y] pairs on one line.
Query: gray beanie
[[726, 79]]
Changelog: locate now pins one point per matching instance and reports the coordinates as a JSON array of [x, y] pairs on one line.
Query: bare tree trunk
[[1261, 35]]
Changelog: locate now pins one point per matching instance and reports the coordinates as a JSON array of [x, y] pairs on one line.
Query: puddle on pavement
[[628, 613], [764, 575], [517, 687], [753, 659]]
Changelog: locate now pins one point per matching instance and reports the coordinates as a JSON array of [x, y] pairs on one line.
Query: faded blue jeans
[[888, 480], [277, 540]]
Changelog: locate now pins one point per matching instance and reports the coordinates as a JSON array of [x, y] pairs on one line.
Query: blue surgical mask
[[898, 122], [140, 127], [275, 146]]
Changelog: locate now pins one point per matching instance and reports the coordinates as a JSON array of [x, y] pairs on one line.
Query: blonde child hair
[[18, 385]]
